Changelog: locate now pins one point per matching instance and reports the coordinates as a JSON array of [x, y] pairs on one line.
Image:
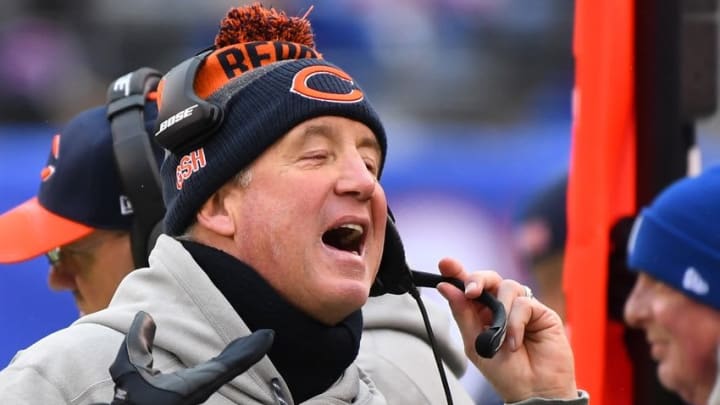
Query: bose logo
[[123, 84], [176, 118]]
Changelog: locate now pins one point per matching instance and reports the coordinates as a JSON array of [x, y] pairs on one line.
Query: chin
[[352, 294], [667, 378]]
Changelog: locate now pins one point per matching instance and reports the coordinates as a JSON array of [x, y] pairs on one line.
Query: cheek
[[100, 280], [694, 332], [273, 225], [95, 289], [284, 198]]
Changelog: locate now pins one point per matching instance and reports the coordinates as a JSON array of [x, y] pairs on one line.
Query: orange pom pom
[[258, 23]]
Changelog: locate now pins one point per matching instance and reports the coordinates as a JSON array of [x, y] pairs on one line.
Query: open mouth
[[346, 237]]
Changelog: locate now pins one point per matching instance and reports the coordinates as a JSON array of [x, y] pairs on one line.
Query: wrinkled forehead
[[335, 128]]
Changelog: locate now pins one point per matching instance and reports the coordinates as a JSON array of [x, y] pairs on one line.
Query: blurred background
[[475, 95]]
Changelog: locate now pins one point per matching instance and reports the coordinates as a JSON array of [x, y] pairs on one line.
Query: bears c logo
[[49, 170], [300, 85]]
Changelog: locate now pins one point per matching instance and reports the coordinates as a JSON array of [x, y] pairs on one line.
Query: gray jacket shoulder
[[67, 367]]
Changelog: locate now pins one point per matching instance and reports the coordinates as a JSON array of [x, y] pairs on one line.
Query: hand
[[136, 383], [536, 359]]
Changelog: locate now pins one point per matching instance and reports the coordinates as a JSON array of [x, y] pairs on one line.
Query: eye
[[316, 155], [371, 165]]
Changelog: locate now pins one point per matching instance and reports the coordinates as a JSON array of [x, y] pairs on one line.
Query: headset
[[135, 159], [396, 277], [186, 120]]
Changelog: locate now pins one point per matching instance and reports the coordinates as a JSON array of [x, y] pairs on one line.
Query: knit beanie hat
[[677, 239], [265, 77]]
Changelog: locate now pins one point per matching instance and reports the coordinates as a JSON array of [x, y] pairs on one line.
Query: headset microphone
[[396, 277], [488, 342]]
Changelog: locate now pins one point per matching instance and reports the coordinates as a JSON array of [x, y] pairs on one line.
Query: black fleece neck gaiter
[[309, 355]]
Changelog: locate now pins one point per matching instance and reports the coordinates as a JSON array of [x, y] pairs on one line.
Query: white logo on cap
[[123, 84], [125, 205], [693, 281]]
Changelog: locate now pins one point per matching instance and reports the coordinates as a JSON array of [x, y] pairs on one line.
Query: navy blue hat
[[80, 191], [542, 223], [677, 239]]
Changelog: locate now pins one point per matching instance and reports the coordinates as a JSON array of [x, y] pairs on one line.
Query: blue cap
[[80, 191], [677, 239]]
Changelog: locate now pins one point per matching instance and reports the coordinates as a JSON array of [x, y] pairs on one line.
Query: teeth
[[347, 237], [354, 227]]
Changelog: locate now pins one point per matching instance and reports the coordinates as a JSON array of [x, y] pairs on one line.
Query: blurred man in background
[[674, 248], [81, 217], [540, 239]]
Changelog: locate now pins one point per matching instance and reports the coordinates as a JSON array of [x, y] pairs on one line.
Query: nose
[[356, 179], [60, 280], [637, 305]]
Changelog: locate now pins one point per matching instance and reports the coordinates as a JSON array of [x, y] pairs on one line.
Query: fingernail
[[511, 342], [470, 287]]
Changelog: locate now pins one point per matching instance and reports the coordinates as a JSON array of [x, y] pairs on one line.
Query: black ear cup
[[393, 277], [185, 120], [135, 157]]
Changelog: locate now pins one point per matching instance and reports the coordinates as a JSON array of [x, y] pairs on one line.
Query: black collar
[[309, 355]]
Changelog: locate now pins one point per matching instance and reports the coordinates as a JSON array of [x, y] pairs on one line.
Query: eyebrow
[[326, 130], [317, 130]]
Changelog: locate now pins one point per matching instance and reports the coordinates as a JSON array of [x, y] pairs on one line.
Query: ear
[[214, 215]]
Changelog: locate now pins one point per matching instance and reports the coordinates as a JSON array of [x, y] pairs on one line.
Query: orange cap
[[30, 230]]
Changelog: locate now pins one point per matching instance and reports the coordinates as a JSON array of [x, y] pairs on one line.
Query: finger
[[471, 316], [479, 281], [465, 315], [519, 316], [462, 309], [475, 282], [508, 293], [452, 268]]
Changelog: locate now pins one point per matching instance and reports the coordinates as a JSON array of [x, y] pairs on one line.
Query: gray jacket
[[194, 323], [395, 352]]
